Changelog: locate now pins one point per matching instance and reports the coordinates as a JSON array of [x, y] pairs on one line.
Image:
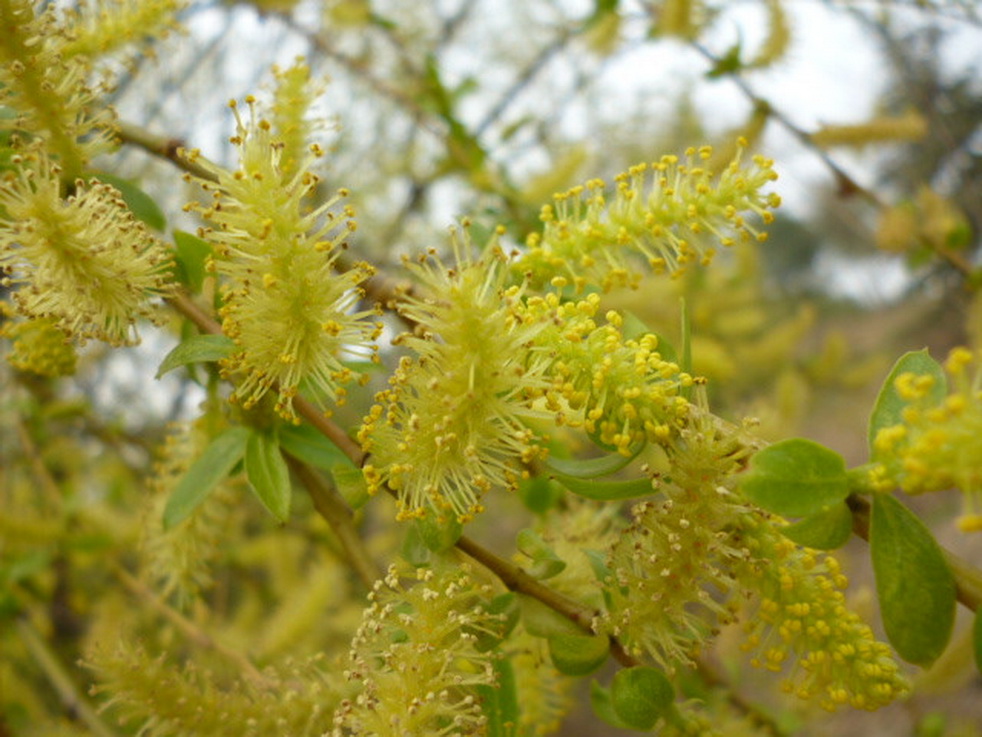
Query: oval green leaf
[[578, 655], [606, 490], [796, 478], [191, 252], [196, 349], [540, 620], [825, 530], [499, 703], [591, 468], [306, 444], [139, 202], [268, 474], [603, 707], [641, 696], [914, 585], [213, 465], [889, 406], [351, 484]]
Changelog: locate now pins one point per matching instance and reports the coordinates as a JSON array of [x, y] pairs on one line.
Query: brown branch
[[331, 506]]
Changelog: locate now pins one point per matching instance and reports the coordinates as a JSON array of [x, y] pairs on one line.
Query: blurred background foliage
[[436, 109]]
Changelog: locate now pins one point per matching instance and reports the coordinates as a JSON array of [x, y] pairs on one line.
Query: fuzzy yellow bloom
[[670, 214], [38, 346], [291, 315], [416, 658], [449, 428], [84, 262], [802, 621], [938, 444]]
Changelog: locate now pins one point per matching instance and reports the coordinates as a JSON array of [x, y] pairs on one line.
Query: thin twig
[[58, 676], [331, 506], [189, 629]]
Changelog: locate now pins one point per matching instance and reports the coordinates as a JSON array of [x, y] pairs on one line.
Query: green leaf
[[889, 406], [543, 621], [539, 493], [213, 465], [306, 444], [977, 639], [351, 484], [606, 490], [641, 696], [729, 63], [915, 587], [500, 701], [578, 655], [825, 530], [796, 478], [413, 550], [504, 606], [438, 535], [603, 706], [546, 563], [591, 468], [191, 252], [268, 473], [139, 202], [196, 349]]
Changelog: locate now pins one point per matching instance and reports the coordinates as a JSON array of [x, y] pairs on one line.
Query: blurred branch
[[57, 674]]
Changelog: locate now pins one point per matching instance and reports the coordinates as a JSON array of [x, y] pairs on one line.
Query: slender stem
[[189, 629], [332, 508], [172, 149], [56, 673]]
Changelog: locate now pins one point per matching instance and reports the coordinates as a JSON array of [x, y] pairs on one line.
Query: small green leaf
[[591, 468], [139, 202], [499, 702], [196, 349], [578, 655], [438, 535], [606, 490], [641, 696], [634, 327], [977, 639], [351, 484], [191, 252], [306, 444], [540, 494], [825, 530], [796, 478], [213, 465], [543, 621], [412, 550], [603, 706], [268, 474], [728, 63], [546, 563], [505, 607], [889, 406], [915, 587]]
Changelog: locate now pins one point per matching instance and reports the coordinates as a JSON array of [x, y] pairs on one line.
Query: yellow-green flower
[[803, 625], [38, 346], [417, 660], [449, 428], [669, 214], [292, 316], [84, 263], [938, 444]]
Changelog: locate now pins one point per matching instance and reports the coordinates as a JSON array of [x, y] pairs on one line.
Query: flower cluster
[[85, 262], [448, 429], [675, 220], [290, 314], [47, 86], [39, 347], [621, 391], [416, 658], [802, 615], [936, 445]]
